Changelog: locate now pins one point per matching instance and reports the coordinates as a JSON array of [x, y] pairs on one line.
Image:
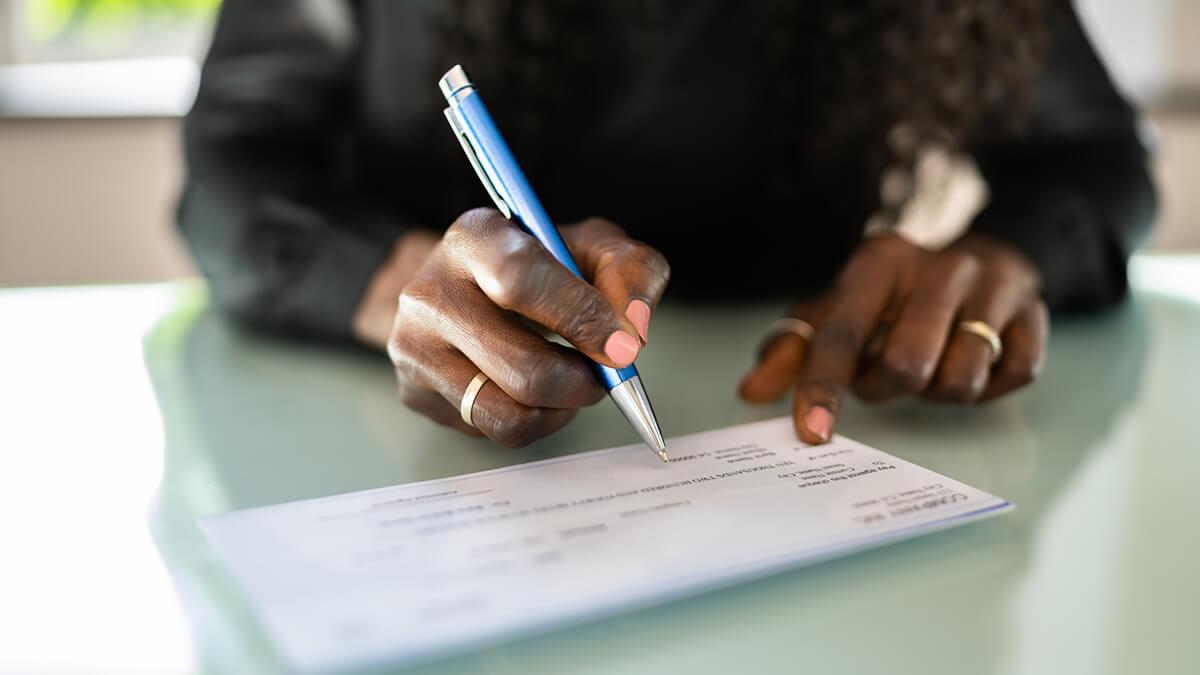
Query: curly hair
[[875, 80]]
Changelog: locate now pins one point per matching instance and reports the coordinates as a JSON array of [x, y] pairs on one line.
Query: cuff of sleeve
[[1068, 248], [335, 282], [306, 275]]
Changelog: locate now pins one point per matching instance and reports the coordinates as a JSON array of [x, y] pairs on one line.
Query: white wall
[[1135, 39]]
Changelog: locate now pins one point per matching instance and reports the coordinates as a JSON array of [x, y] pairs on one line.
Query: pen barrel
[[511, 185]]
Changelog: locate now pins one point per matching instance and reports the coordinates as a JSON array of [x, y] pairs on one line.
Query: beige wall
[[1184, 50], [91, 200], [88, 200], [1177, 170]]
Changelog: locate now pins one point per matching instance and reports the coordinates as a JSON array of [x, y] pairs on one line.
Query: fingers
[[777, 370], [913, 346], [891, 326], [629, 274], [861, 297], [434, 406], [532, 370], [966, 365], [473, 306], [495, 414], [518, 274], [1024, 352], [447, 330], [779, 360]]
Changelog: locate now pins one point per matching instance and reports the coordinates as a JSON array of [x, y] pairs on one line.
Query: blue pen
[[506, 183]]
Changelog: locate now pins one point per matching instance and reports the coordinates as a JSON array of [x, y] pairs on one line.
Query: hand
[[476, 305], [376, 311], [889, 326]]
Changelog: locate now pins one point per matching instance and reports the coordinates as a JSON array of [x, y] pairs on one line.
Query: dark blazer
[[317, 138]]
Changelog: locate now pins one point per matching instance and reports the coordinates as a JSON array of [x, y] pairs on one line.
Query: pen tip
[[662, 454]]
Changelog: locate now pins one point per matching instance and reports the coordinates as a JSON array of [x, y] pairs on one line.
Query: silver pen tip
[[633, 403]]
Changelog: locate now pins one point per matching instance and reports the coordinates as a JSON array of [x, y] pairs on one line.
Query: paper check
[[413, 571]]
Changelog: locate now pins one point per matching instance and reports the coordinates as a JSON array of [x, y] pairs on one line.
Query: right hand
[[476, 303]]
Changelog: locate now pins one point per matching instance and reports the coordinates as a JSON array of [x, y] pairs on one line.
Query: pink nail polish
[[639, 313], [622, 348], [819, 421]]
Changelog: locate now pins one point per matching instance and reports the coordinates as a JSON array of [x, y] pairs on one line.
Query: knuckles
[[841, 335], [891, 247], [419, 307], [613, 248], [651, 261], [396, 350], [964, 388], [414, 332], [1020, 370], [514, 279], [573, 382], [539, 384], [907, 370], [415, 301], [596, 227], [412, 398], [592, 325], [473, 232], [403, 357], [554, 379], [518, 431], [960, 266], [476, 223]]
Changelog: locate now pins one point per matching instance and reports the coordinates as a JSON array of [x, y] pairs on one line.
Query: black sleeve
[[271, 216], [1073, 192]]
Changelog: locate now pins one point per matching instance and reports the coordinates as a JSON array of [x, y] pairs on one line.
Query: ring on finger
[[987, 333], [790, 324], [467, 405]]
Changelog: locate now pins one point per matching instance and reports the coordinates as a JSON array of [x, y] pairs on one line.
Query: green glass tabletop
[[130, 410]]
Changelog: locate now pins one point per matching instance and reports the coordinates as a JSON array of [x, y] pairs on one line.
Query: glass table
[[130, 410]]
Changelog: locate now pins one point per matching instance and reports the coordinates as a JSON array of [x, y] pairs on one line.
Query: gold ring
[[468, 399], [790, 324], [989, 334]]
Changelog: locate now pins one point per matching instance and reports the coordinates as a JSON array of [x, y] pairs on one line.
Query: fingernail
[[639, 313], [622, 348], [819, 421]]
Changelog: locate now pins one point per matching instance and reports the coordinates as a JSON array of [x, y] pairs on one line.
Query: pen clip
[[468, 147]]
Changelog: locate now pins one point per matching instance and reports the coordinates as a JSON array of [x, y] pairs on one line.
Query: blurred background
[[92, 91]]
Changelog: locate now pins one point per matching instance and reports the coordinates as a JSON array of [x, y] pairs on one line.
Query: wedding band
[[468, 399], [790, 324], [989, 334]]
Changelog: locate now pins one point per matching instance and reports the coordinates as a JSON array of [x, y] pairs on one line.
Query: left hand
[[889, 326]]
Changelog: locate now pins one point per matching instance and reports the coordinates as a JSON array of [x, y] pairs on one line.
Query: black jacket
[[317, 138]]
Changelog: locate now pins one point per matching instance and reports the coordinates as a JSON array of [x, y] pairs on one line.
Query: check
[[412, 571]]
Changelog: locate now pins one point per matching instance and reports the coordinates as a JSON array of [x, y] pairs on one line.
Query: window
[[39, 31], [106, 58]]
